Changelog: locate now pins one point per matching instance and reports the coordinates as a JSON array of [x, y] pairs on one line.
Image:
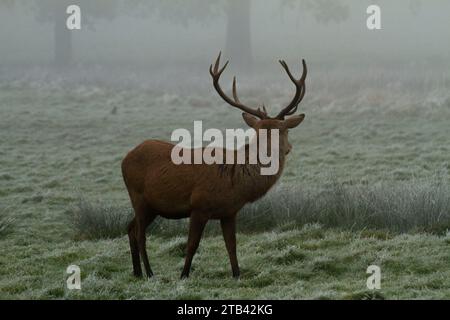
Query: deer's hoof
[[137, 275]]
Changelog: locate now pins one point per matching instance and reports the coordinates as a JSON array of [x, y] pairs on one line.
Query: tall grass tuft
[[99, 221], [400, 207], [105, 221]]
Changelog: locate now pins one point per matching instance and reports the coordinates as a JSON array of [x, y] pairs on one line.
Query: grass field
[[62, 141]]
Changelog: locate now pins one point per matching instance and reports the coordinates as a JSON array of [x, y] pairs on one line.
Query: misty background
[[372, 156], [167, 46], [161, 33]]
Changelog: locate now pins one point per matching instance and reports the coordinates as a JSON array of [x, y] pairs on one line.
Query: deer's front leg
[[197, 224], [229, 235]]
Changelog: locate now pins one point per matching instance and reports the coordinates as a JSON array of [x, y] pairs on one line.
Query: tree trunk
[[62, 36], [238, 37]]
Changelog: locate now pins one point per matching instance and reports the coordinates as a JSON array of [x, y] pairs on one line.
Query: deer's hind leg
[[136, 234], [134, 248], [143, 222]]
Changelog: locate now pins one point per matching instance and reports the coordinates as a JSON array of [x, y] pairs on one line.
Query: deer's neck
[[248, 179]]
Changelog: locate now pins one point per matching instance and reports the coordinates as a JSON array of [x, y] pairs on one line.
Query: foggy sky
[[275, 33]]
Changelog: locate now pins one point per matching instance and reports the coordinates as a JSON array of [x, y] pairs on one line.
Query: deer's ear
[[294, 121], [249, 119]]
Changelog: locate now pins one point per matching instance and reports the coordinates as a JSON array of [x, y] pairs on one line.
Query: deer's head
[[258, 118]]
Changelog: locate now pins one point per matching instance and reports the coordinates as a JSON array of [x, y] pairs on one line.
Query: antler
[[299, 93], [215, 74]]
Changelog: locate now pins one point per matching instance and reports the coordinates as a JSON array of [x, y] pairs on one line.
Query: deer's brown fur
[[158, 187]]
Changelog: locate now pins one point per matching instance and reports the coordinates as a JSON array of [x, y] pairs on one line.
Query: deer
[[203, 192]]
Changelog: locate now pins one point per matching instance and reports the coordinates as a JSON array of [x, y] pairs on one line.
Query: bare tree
[[237, 14]]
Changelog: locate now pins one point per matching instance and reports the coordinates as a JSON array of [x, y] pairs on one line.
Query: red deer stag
[[158, 187]]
